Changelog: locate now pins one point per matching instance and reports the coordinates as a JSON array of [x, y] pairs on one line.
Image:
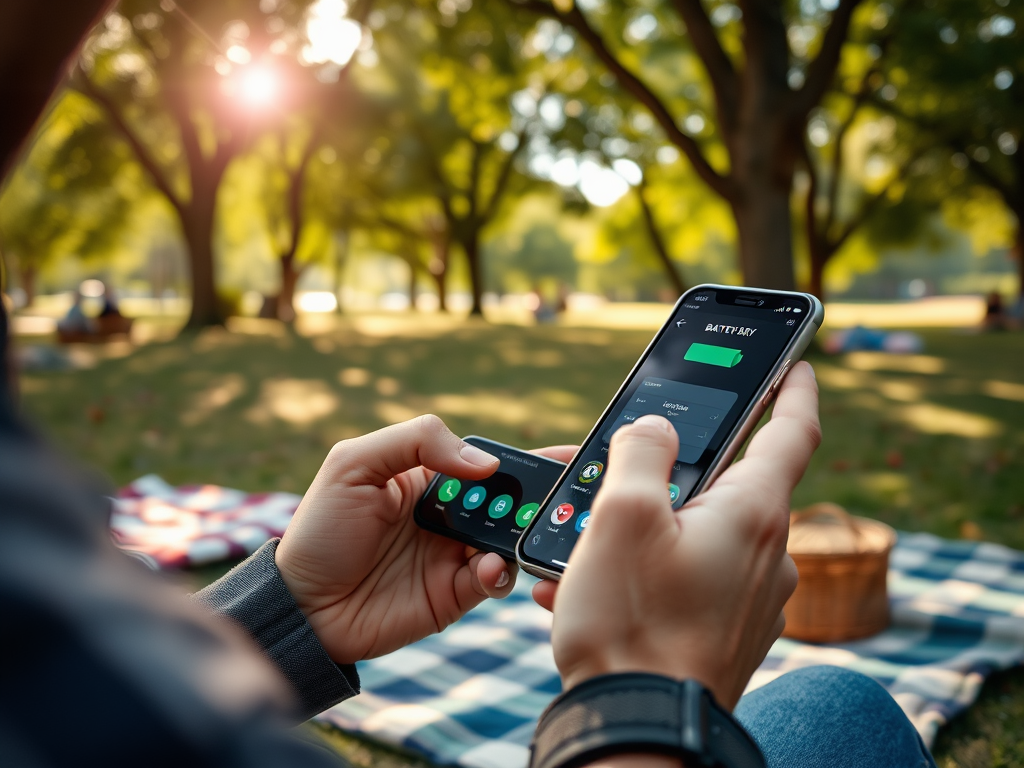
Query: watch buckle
[[693, 717]]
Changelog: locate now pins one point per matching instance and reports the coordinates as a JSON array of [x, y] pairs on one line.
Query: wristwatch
[[631, 713]]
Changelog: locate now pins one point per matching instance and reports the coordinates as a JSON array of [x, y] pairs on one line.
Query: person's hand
[[696, 593], [368, 579]]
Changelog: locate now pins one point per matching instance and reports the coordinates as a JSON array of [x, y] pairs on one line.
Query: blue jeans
[[830, 717]]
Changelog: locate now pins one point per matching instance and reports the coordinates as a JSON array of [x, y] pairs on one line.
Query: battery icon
[[709, 354], [797, 309]]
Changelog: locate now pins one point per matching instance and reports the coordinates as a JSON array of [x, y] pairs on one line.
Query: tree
[[958, 77], [764, 73], [860, 163], [189, 85], [448, 76]]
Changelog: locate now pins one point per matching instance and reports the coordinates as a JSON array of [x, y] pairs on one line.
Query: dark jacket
[[106, 664]]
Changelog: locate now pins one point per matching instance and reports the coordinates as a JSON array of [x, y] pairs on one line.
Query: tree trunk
[[342, 241], [439, 266], [817, 248], [471, 246], [442, 298], [27, 274], [286, 296], [197, 228], [412, 286], [1018, 250], [765, 234]]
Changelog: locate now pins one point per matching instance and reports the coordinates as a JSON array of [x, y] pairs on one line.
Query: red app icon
[[561, 513]]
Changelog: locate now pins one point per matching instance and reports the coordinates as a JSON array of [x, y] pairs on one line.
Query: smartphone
[[489, 514], [712, 370]]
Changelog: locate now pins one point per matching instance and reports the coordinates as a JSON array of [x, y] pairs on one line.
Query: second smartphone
[[711, 370], [489, 514]]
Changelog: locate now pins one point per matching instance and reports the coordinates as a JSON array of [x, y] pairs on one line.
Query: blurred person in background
[[110, 307], [157, 678], [74, 321]]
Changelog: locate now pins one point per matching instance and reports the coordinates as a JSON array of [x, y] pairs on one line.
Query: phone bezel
[[751, 415], [484, 444]]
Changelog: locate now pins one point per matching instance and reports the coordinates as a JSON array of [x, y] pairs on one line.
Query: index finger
[[782, 449]]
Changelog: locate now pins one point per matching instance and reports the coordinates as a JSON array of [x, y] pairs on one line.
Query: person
[[651, 596], [110, 308], [74, 321], [996, 317]]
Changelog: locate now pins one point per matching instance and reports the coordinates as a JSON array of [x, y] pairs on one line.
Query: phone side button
[[770, 394]]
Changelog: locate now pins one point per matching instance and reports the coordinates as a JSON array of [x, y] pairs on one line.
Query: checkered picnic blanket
[[196, 524], [471, 695]]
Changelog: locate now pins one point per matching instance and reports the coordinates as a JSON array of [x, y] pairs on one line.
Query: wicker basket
[[842, 561]]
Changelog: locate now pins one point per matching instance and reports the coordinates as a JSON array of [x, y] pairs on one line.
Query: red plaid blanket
[[196, 524]]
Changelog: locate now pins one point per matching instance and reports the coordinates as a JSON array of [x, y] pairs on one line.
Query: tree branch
[[716, 61], [296, 194], [955, 143], [810, 201], [141, 152], [821, 71], [859, 99], [441, 190], [869, 207], [660, 249], [639, 89], [491, 209]]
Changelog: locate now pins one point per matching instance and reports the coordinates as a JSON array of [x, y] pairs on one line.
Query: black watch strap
[[641, 713]]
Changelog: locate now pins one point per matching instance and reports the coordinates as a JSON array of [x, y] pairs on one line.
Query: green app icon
[[709, 354], [673, 492], [501, 506], [525, 514], [474, 497], [449, 489]]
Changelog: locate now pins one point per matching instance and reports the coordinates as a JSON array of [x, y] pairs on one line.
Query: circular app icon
[[501, 506], [591, 471], [582, 521], [474, 497], [561, 513], [525, 514], [449, 489], [673, 492]]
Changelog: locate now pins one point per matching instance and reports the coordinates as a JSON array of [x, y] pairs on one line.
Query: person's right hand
[[695, 593]]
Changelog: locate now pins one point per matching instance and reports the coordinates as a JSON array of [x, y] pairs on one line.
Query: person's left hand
[[368, 579]]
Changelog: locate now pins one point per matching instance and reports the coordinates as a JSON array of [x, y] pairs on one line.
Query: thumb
[[375, 458], [635, 489]]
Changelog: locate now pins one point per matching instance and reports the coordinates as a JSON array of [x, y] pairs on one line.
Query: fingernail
[[813, 374], [476, 457], [502, 580], [656, 421]]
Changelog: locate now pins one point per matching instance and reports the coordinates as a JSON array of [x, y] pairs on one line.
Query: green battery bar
[[712, 355]]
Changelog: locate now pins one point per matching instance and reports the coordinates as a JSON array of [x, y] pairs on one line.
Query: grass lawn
[[931, 442]]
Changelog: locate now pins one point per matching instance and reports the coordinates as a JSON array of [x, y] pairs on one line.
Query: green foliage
[[956, 76], [73, 195]]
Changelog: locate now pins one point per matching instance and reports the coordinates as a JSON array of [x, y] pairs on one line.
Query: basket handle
[[827, 509]]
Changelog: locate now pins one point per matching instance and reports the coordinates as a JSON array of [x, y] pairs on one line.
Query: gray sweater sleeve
[[254, 595]]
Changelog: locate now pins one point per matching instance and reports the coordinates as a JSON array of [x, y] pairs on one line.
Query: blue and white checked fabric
[[471, 695]]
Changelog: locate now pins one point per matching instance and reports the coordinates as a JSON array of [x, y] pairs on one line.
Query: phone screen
[[702, 371], [492, 513]]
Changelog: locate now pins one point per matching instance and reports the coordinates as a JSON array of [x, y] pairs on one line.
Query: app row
[[477, 495]]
